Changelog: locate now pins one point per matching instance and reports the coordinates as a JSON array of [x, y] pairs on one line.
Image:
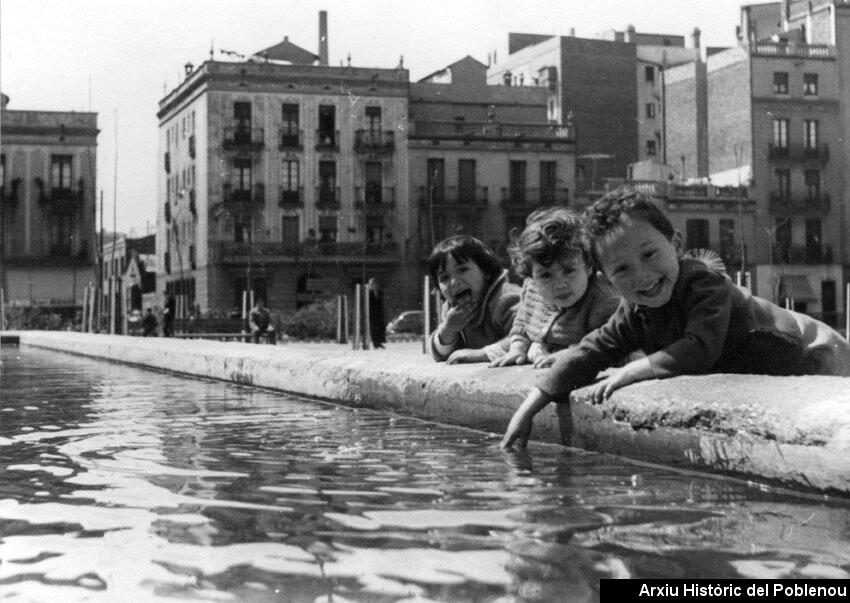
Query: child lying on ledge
[[687, 318]]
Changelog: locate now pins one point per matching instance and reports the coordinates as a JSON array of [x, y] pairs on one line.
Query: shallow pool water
[[119, 484]]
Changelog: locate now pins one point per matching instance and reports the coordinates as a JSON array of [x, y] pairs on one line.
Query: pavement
[[786, 431]]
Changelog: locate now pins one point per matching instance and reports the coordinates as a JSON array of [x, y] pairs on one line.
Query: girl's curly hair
[[554, 234]]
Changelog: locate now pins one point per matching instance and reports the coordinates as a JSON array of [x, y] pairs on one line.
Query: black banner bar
[[814, 591]]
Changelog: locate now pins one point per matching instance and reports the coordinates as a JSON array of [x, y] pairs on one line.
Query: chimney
[[696, 35], [630, 34], [323, 37]]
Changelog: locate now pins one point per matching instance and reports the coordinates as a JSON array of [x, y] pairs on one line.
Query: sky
[[118, 58]]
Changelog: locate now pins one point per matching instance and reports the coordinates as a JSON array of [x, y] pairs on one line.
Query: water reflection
[[121, 483]]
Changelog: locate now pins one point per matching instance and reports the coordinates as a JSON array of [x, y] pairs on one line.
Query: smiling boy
[[687, 318]]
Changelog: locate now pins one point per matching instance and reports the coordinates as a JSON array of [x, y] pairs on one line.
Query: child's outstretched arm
[[636, 370], [519, 428]]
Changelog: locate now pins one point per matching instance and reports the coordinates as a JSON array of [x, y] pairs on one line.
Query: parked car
[[409, 321]]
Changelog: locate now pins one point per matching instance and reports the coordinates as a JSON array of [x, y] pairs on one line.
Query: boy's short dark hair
[[553, 234], [464, 248], [606, 213]]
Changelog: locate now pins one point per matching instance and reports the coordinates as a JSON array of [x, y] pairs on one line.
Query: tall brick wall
[[681, 94], [600, 88]]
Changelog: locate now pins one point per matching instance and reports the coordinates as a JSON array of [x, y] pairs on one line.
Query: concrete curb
[[793, 431]]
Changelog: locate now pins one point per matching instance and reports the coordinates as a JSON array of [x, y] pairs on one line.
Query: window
[[516, 176], [436, 179], [814, 249], [810, 84], [650, 109], [812, 181], [782, 240], [241, 174], [780, 82], [2, 170], [373, 119], [327, 229], [696, 234], [810, 133], [289, 175], [650, 148], [327, 183], [466, 180], [780, 133], [548, 182], [727, 240], [327, 125], [60, 171], [783, 183], [649, 73], [289, 227], [289, 120]]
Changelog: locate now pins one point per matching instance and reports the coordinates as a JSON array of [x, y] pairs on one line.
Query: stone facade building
[[48, 247]]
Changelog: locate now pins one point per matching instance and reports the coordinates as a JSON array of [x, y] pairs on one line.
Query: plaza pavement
[[787, 431]]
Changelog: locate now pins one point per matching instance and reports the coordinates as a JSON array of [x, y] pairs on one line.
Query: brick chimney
[[696, 36], [323, 37]]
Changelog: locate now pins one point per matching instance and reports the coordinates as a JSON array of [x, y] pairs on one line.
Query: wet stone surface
[[119, 482]]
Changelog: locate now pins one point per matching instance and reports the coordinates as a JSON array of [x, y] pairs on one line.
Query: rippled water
[[119, 484]]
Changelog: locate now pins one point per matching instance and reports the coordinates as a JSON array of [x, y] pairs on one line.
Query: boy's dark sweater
[[709, 325]]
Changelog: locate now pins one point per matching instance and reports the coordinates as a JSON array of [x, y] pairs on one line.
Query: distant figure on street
[[377, 325], [261, 322], [168, 316], [149, 324]]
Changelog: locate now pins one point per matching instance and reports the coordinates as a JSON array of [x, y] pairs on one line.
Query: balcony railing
[[525, 197], [61, 200], [327, 140], [327, 197], [490, 131], [374, 200], [289, 138], [244, 138], [802, 254], [248, 199], [230, 251], [672, 192], [291, 198], [374, 141], [454, 196], [786, 205], [792, 49], [799, 152]]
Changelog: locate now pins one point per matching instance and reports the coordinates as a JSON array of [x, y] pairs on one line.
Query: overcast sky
[[118, 57]]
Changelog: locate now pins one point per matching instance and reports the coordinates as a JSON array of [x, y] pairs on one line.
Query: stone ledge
[[793, 431]]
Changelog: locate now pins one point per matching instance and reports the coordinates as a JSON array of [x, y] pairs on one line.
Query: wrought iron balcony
[[374, 200], [243, 200], [61, 200], [374, 141], [491, 131], [327, 140], [525, 198], [802, 254], [244, 138], [327, 197], [291, 198], [269, 250], [454, 196], [9, 194], [782, 204], [818, 153], [289, 138]]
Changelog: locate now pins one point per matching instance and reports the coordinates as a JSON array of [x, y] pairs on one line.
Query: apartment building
[[609, 88], [129, 279], [774, 119], [482, 157], [47, 214], [282, 175], [293, 179]]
